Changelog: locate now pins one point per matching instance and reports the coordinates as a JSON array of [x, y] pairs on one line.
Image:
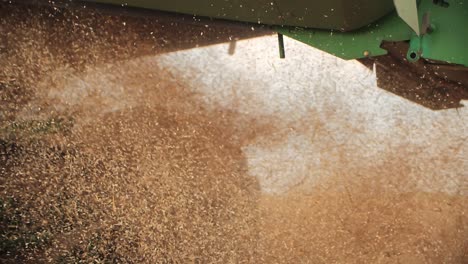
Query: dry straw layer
[[166, 180]]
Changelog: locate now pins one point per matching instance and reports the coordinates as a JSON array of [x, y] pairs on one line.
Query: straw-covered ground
[[161, 177]]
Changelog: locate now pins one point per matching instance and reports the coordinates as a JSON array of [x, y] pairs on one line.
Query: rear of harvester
[[417, 48]]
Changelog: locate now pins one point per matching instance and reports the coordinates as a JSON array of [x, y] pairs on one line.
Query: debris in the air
[[106, 157]]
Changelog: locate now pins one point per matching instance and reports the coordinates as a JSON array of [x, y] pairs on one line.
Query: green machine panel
[[342, 15]]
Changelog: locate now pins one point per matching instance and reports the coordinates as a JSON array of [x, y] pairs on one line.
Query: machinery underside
[[389, 46]]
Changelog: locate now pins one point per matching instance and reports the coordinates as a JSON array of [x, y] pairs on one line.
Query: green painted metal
[[357, 44], [306, 20], [444, 40], [415, 50], [448, 37], [343, 15]]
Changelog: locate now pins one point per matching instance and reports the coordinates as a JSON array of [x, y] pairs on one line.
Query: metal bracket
[[444, 32], [281, 46], [444, 35]]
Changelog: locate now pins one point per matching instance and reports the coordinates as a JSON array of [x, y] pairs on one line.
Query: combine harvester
[[419, 48]]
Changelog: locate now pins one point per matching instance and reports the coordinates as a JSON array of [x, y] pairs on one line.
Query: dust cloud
[[111, 154]]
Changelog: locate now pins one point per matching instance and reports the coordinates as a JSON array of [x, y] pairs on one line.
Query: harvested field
[[117, 149]]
